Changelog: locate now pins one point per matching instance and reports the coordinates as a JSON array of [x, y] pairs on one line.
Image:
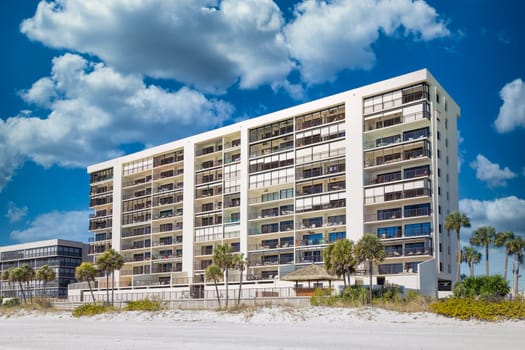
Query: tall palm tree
[[17, 275], [109, 261], [214, 273], [472, 257], [46, 274], [28, 275], [339, 259], [369, 250], [503, 239], [241, 264], [517, 249], [484, 237], [454, 222], [223, 257], [86, 272]]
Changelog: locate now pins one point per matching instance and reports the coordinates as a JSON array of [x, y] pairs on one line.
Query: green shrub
[[144, 305], [411, 295], [91, 310], [356, 295], [468, 308], [10, 302], [483, 287]]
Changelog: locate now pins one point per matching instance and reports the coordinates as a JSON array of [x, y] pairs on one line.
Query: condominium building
[[378, 159], [61, 255]]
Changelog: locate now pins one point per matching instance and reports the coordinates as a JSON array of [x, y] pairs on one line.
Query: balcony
[[136, 182], [401, 116], [399, 191], [395, 154], [97, 224]]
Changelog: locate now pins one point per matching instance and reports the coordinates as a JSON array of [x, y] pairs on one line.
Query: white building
[[381, 159]]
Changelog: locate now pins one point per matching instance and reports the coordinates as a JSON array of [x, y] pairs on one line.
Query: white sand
[[269, 328]]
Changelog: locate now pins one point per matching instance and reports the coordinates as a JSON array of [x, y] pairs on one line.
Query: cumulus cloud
[[491, 173], [505, 214], [94, 111], [512, 112], [327, 37], [213, 45], [204, 43], [15, 214], [70, 225]]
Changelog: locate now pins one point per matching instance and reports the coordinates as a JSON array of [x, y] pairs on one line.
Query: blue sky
[[83, 82]]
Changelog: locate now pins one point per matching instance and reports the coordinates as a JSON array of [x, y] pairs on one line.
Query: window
[[439, 135], [388, 269], [417, 210], [438, 97], [421, 229], [335, 236], [389, 232]]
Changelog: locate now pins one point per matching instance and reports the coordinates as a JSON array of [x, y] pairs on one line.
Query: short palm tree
[[4, 277], [86, 272], [241, 264], [28, 275], [503, 239], [223, 257], [214, 273], [454, 222], [472, 257], [45, 274], [517, 250], [339, 259], [17, 275], [369, 250], [484, 237], [109, 261]]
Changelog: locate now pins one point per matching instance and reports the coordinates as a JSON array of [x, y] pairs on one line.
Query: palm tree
[[484, 237], [45, 274], [339, 259], [223, 257], [369, 250], [241, 264], [4, 277], [17, 275], [454, 222], [517, 250], [109, 261], [214, 273], [86, 272], [472, 257], [28, 276], [503, 239]]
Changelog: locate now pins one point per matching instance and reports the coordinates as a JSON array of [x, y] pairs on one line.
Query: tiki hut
[[308, 274]]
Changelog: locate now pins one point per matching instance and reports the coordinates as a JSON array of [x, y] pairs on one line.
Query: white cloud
[[213, 45], [72, 225], [94, 111], [491, 173], [327, 37], [203, 43], [15, 214], [512, 112], [505, 214]]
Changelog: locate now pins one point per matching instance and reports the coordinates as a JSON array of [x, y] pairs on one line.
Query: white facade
[[380, 158]]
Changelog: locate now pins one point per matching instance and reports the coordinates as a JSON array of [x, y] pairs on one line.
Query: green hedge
[[91, 310], [484, 287], [468, 308], [144, 305]]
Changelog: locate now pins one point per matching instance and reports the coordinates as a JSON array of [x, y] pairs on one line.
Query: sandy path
[[308, 329]]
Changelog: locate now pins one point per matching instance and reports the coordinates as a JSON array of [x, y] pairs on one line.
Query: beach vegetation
[[224, 258], [91, 310], [339, 259], [454, 222], [484, 237], [214, 273], [478, 309], [144, 305], [109, 262], [369, 251], [86, 272], [482, 287]]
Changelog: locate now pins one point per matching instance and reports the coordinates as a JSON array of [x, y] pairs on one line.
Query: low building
[[61, 255]]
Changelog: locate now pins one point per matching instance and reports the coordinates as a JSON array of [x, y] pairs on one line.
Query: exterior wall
[[336, 182], [38, 254]]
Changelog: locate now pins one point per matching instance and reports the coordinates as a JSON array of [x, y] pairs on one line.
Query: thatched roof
[[309, 273]]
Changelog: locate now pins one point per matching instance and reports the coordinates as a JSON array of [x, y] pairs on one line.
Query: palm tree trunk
[[226, 281], [22, 291], [487, 260], [107, 288], [506, 264], [240, 287], [217, 292], [113, 288], [458, 257], [370, 280], [471, 265], [91, 291], [516, 270]]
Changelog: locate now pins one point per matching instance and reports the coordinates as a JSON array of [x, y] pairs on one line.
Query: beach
[[265, 328]]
